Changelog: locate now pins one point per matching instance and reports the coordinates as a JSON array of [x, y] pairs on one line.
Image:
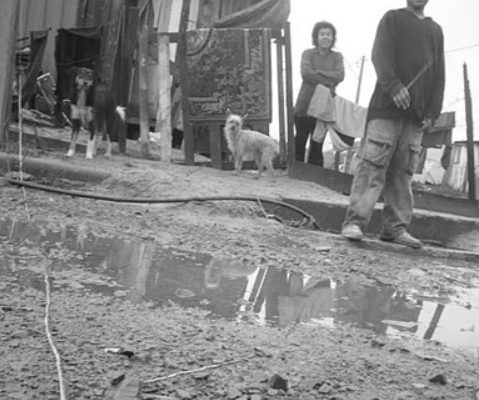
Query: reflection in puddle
[[141, 271]]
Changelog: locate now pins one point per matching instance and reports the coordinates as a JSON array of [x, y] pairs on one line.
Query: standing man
[[408, 56]]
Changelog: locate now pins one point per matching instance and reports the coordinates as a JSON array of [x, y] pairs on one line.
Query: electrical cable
[[462, 48], [136, 200]]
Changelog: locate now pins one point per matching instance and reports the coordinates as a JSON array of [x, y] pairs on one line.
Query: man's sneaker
[[352, 232], [403, 238]]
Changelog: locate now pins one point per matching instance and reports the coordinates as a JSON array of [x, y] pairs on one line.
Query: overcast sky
[[356, 22]]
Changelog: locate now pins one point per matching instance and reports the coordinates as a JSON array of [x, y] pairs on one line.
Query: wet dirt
[[187, 286], [142, 272]]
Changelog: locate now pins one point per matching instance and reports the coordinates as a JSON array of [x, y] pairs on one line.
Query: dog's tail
[[121, 112]]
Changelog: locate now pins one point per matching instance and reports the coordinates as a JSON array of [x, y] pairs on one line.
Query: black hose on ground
[[76, 193]]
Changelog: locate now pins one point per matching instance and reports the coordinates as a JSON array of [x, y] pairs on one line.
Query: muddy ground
[[117, 337]]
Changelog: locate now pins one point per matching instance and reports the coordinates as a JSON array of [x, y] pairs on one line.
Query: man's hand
[[402, 99]]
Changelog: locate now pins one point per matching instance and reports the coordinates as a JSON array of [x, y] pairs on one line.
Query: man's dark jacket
[[404, 45]]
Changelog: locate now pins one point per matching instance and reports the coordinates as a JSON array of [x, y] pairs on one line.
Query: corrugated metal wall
[[47, 14], [98, 12], [55, 14]]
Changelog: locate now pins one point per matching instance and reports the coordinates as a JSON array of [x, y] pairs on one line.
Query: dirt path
[[320, 358]]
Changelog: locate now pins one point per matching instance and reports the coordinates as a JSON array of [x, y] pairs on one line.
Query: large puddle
[[141, 271]]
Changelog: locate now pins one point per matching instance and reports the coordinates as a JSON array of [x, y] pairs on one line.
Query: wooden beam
[[215, 146], [188, 139], [142, 64], [471, 167], [181, 58], [110, 44], [281, 110], [174, 36], [128, 43], [289, 94], [9, 10], [349, 153], [163, 116]]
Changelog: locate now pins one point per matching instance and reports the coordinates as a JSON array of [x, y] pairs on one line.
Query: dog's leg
[[90, 149], [236, 162], [259, 163], [239, 165], [105, 134], [268, 162], [74, 138], [99, 132], [97, 140], [269, 167], [108, 146]]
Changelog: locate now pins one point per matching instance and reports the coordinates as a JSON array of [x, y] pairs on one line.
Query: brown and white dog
[[92, 107], [242, 142]]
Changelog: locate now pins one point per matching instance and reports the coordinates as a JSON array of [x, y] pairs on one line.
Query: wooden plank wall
[[8, 19], [163, 10]]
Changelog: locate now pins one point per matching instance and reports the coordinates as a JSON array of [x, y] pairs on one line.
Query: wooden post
[[9, 10], [280, 73], [128, 42], [142, 64], [434, 322], [214, 135], [471, 167], [163, 116], [289, 95], [349, 153], [110, 46], [188, 139], [360, 80]]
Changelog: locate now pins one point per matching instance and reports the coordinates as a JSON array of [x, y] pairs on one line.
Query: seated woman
[[319, 65]]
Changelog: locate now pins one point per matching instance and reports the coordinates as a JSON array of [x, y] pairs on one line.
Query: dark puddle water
[[145, 272]]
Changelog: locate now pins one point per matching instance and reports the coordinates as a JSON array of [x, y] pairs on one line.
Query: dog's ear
[[244, 117], [228, 112]]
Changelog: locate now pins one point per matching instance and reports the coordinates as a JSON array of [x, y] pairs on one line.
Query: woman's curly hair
[[323, 25]]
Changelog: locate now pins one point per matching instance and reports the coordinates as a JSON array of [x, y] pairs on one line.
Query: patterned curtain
[[232, 70]]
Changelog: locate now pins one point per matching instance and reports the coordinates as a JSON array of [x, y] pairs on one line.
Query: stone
[[199, 376], [233, 394], [117, 380], [377, 343], [405, 395], [325, 388], [183, 394], [439, 378], [277, 382], [19, 334], [419, 386]]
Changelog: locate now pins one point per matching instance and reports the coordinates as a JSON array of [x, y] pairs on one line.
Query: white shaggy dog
[[242, 142]]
